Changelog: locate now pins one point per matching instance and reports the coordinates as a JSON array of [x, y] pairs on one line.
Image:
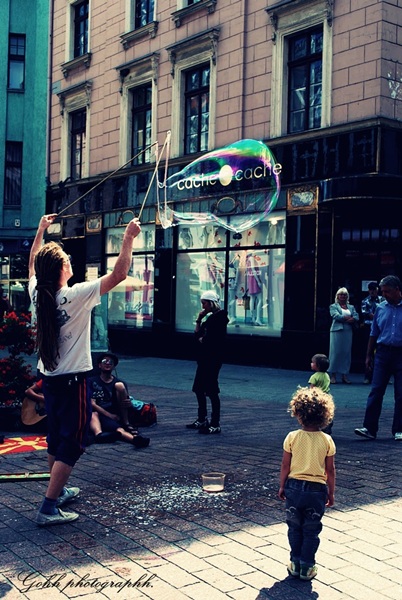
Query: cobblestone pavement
[[148, 530]]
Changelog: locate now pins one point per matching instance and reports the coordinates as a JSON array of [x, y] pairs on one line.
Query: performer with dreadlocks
[[63, 316]]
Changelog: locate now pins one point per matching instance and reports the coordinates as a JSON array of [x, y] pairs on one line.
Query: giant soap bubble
[[234, 187]]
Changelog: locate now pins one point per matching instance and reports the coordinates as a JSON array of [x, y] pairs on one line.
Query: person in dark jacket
[[210, 333]]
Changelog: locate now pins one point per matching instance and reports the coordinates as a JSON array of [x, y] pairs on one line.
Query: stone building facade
[[142, 89]]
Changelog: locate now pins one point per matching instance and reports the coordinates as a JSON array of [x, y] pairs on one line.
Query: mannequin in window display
[[254, 288], [116, 308], [272, 233], [211, 272], [99, 333], [210, 236], [233, 274], [148, 286], [280, 232], [276, 232], [185, 238]]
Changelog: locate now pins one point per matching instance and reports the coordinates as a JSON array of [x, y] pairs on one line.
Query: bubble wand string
[[106, 178], [158, 159]]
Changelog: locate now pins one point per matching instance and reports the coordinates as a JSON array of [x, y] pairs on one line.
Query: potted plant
[[17, 335]]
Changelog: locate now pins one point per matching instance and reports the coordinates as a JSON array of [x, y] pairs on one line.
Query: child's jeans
[[305, 506]]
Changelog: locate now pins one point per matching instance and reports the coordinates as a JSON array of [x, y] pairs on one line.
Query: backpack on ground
[[144, 414]]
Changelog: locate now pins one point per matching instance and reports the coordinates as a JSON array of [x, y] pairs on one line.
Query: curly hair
[[312, 407], [48, 266]]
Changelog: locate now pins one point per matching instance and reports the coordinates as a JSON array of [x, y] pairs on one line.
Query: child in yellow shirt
[[307, 478]]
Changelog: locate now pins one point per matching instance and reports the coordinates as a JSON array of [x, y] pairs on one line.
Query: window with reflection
[[246, 270], [305, 80], [131, 303], [16, 62], [196, 109], [141, 124], [77, 143], [144, 12], [13, 174], [81, 22]]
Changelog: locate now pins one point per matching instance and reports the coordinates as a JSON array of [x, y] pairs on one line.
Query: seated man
[[33, 410], [110, 406]]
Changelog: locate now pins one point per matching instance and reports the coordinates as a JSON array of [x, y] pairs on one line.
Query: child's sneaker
[[307, 572], [294, 568]]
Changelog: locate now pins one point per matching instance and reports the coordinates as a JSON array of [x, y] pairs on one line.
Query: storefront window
[[196, 273], [99, 337], [201, 236], [131, 302], [255, 291], [246, 270], [14, 282]]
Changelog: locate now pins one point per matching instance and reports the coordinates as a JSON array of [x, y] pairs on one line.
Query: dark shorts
[[108, 424], [68, 413]]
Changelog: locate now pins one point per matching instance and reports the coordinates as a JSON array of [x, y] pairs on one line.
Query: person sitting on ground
[[110, 406], [33, 410]]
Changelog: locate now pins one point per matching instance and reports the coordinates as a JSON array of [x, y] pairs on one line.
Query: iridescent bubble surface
[[234, 187]]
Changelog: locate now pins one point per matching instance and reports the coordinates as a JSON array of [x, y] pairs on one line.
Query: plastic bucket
[[213, 482]]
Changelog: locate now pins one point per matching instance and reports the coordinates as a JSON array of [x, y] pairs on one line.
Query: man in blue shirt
[[386, 339]]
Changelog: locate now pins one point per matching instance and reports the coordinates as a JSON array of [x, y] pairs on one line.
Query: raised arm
[[122, 266], [44, 223]]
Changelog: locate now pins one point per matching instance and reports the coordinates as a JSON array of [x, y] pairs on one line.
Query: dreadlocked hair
[[312, 407], [48, 266]]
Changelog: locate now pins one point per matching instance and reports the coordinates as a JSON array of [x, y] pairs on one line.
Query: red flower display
[[18, 336]]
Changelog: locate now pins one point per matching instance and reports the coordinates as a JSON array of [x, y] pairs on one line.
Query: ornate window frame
[[134, 74], [287, 18], [132, 34], [193, 51], [186, 10], [72, 99], [70, 64]]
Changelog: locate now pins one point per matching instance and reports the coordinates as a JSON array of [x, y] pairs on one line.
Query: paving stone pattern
[[147, 530]]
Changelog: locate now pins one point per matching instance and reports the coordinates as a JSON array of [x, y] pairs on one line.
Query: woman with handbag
[[344, 319]]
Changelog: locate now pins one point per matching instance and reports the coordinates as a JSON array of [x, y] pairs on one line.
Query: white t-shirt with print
[[74, 306]]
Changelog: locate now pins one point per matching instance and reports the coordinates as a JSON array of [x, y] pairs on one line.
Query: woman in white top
[[344, 317]]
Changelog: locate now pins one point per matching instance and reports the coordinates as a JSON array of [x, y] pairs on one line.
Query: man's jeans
[[387, 362], [305, 506]]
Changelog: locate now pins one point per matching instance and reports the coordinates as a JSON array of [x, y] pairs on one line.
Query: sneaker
[[198, 424], [140, 442], [367, 381], [209, 429], [68, 494], [294, 568], [398, 436], [307, 573], [58, 519], [363, 432]]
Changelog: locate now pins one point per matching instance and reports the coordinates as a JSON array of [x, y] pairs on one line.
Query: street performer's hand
[[133, 228], [47, 220]]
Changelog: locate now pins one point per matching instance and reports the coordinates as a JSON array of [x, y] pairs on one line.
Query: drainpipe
[[243, 86], [49, 92]]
